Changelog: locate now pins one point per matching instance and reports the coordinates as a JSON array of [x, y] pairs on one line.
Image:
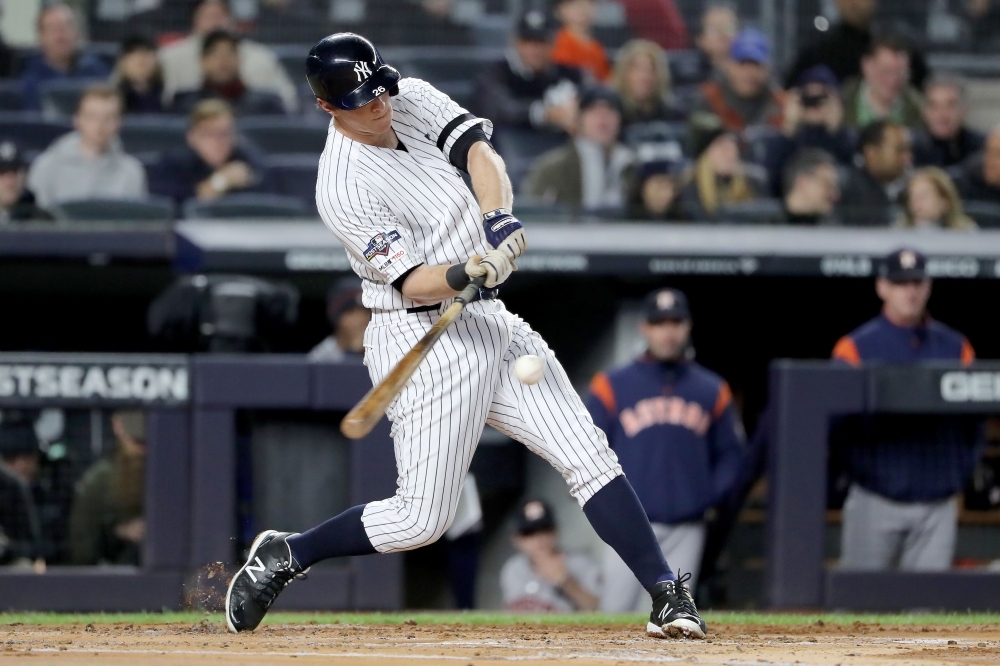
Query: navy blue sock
[[618, 518], [339, 536]]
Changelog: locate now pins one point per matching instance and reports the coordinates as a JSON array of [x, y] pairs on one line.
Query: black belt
[[483, 295]]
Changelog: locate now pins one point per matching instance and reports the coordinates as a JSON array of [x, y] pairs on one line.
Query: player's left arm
[[465, 141]]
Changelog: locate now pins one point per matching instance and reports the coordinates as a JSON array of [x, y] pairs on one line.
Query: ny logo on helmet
[[362, 70]]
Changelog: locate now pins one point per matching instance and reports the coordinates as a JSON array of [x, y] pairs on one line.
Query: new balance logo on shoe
[[251, 568], [663, 613]]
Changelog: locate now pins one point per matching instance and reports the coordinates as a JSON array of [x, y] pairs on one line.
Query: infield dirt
[[207, 642]]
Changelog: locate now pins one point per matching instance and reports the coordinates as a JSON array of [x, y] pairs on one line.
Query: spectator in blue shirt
[[212, 164], [60, 56], [905, 471], [678, 438]]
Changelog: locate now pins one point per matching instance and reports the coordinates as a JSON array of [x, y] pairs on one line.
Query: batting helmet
[[347, 71]]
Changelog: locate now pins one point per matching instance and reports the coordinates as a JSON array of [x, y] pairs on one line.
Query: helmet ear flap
[[393, 91]]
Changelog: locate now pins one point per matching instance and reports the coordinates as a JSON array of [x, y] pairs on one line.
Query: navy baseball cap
[[595, 94], [11, 158], [17, 434], [535, 516], [818, 74], [536, 24], [904, 265], [344, 295], [751, 45], [666, 305]]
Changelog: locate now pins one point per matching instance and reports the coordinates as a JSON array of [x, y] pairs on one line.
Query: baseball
[[529, 369]]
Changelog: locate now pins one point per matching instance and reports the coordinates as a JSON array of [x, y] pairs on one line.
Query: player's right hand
[[495, 265]]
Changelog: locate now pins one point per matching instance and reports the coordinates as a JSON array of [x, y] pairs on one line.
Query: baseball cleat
[[269, 569], [674, 614]]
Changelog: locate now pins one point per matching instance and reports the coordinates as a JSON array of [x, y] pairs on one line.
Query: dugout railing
[[805, 396], [192, 403]]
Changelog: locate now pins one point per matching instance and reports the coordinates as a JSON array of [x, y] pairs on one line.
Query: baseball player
[[672, 423], [906, 471], [390, 189]]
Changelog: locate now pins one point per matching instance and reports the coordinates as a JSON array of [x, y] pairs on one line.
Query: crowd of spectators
[[629, 133]]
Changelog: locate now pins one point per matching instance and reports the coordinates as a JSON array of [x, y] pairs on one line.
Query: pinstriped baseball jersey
[[395, 209]]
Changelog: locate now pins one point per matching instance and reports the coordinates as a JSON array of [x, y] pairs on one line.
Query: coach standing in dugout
[[678, 438], [906, 471]]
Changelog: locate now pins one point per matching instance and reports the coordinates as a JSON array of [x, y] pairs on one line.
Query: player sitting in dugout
[[541, 577], [678, 437]]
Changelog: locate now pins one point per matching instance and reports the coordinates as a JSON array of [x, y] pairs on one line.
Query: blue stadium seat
[[283, 135], [657, 132], [526, 208], [450, 70], [758, 211], [11, 97], [759, 139], [30, 131], [520, 147], [150, 209], [60, 97], [145, 136], [295, 176], [685, 67], [247, 205], [985, 213]]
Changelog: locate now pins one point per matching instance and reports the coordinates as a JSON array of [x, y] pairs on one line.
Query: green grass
[[488, 617]]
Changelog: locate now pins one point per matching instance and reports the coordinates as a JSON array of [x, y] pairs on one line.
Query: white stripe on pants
[[468, 380], [682, 546], [878, 531]]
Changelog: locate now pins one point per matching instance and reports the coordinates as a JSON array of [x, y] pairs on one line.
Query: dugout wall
[[805, 395], [190, 510]]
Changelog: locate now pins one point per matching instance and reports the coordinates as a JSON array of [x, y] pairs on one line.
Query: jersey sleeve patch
[[847, 351], [380, 252], [601, 387], [722, 400], [968, 353]]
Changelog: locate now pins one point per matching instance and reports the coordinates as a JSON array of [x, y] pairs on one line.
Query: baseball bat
[[360, 420]]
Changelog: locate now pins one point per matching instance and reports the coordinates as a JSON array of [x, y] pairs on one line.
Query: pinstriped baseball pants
[[466, 381]]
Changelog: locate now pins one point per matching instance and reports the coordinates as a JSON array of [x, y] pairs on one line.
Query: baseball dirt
[[206, 642]]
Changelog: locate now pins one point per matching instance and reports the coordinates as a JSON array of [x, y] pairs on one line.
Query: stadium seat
[[985, 213], [150, 209], [445, 64], [526, 208], [657, 132], [520, 147], [11, 98], [295, 176], [612, 37], [247, 205], [758, 211], [280, 135], [449, 70], [145, 136], [685, 67], [759, 139], [30, 131], [60, 97]]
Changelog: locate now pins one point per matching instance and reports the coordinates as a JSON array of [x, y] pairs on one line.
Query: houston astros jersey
[[675, 431], [394, 209]]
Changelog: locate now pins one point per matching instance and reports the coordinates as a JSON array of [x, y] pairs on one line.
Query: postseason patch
[[380, 252]]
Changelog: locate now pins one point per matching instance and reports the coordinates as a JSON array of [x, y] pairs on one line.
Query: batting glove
[[495, 265], [505, 232]]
